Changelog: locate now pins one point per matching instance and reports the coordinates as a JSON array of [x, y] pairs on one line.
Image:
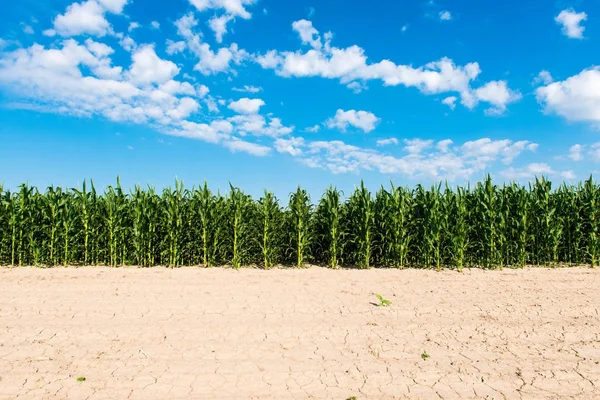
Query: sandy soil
[[303, 334]]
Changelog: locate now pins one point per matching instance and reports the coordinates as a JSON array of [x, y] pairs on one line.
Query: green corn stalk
[[591, 220], [270, 220], [394, 210], [458, 226], [362, 214], [241, 210], [299, 225], [328, 226]]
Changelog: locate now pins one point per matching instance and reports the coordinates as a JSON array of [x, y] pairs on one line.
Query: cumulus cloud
[[450, 101], [292, 146], [568, 175], [364, 120], [423, 158], [148, 68], [246, 105], [350, 65], [248, 89], [113, 6], [543, 77], [80, 18], [210, 62], [576, 152], [570, 20], [313, 129], [386, 142], [528, 172], [219, 26], [445, 15], [230, 10], [155, 25], [238, 145], [576, 99], [498, 95], [132, 26], [236, 8]]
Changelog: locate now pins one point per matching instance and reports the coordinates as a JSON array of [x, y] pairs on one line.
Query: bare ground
[[304, 334]]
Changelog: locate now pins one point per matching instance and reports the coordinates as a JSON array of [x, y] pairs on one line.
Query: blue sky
[[271, 94]]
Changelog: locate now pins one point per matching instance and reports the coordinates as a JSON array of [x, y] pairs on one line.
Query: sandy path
[[217, 333]]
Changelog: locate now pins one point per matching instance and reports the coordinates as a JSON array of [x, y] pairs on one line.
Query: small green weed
[[424, 356], [81, 379], [382, 302]]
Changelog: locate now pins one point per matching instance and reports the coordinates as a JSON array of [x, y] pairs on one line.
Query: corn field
[[486, 226]]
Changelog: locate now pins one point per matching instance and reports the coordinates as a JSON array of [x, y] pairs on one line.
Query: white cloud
[[594, 152], [528, 172], [364, 120], [460, 162], [568, 175], [350, 65], [498, 95], [232, 7], [248, 89], [246, 105], [386, 142], [417, 146], [543, 77], [49, 32], [175, 47], [444, 145], [81, 18], [257, 125], [219, 26], [3, 43], [113, 6], [404, 28], [356, 86], [148, 68], [576, 98], [575, 152], [313, 129], [238, 145], [308, 34], [155, 25], [28, 29], [292, 146], [445, 15], [127, 43], [571, 23], [450, 101], [132, 26], [209, 62]]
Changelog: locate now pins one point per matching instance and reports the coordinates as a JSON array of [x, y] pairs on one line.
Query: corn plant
[[328, 227], [458, 226], [241, 212], [298, 225], [361, 211], [394, 225], [591, 220], [270, 226]]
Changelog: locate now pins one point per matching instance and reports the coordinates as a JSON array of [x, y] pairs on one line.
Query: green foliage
[[298, 226], [382, 302], [424, 355], [488, 225]]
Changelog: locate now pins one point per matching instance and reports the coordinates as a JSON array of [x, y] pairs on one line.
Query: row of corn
[[486, 225]]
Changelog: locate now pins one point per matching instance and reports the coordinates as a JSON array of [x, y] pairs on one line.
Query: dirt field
[[220, 334]]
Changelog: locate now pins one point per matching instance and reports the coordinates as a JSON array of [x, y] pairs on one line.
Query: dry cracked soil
[[194, 333]]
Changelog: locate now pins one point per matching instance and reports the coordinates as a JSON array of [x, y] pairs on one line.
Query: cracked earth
[[195, 333]]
